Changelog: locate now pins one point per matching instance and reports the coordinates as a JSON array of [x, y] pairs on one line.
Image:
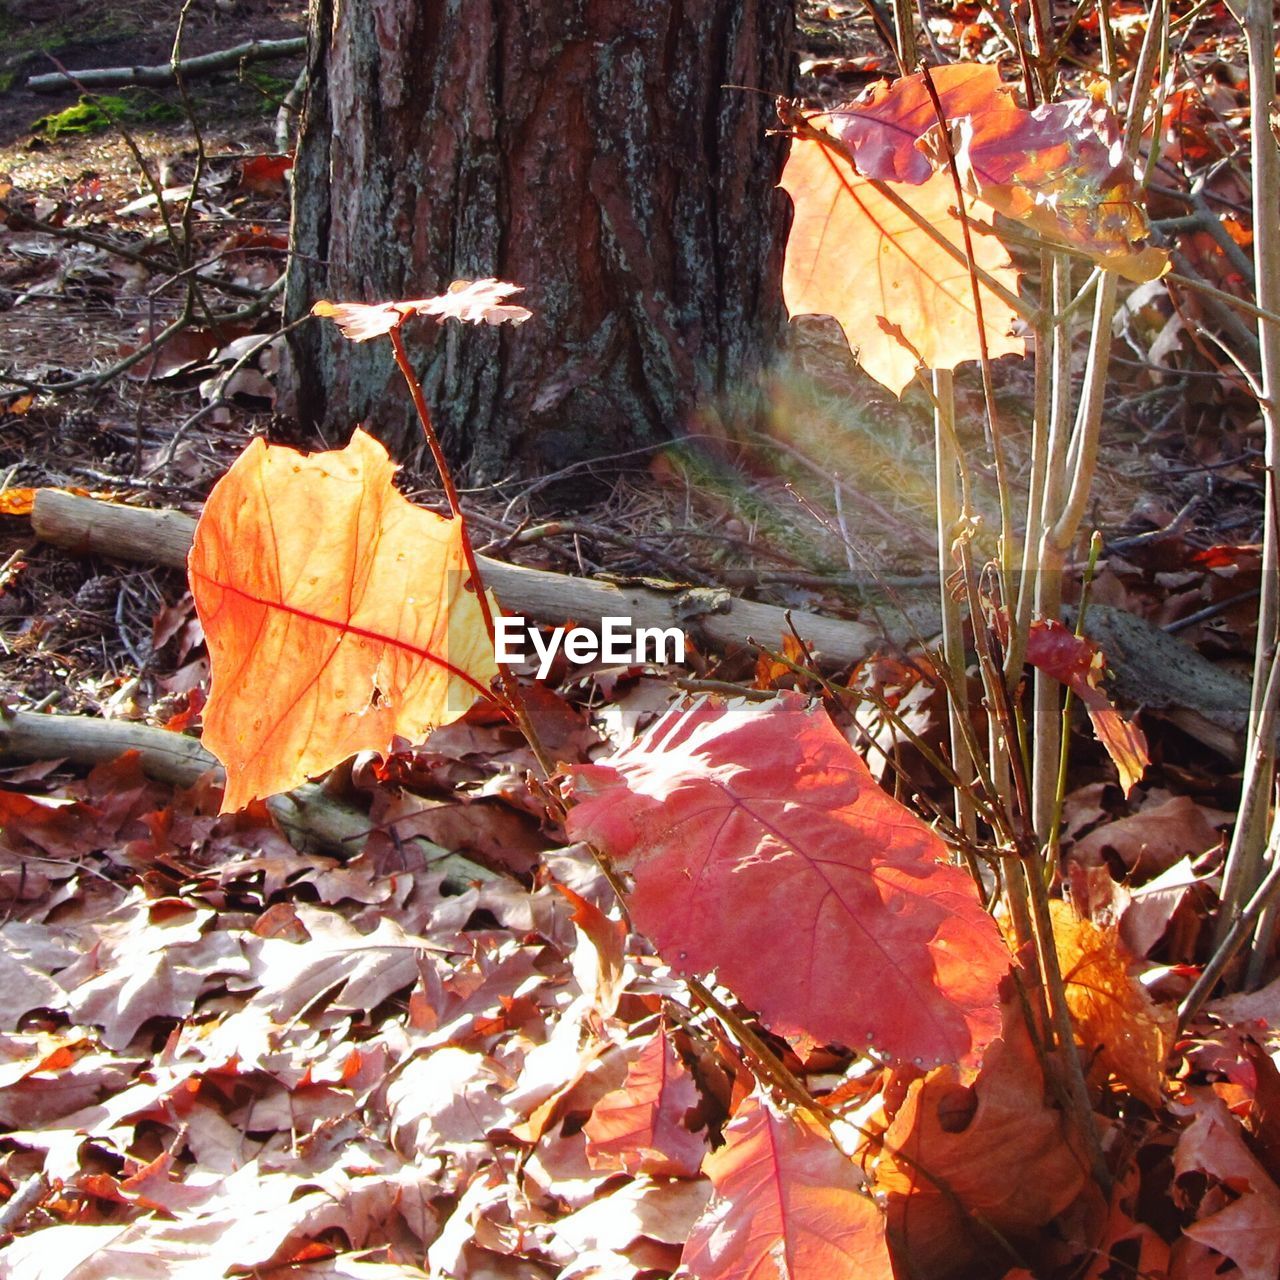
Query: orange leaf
[[640, 1127], [337, 615], [1055, 169], [19, 405], [900, 298], [17, 502], [476, 301], [788, 1205], [1113, 1013], [997, 1146]]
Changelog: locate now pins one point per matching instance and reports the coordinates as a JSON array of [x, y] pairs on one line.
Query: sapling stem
[[1245, 861], [512, 697], [947, 481], [1064, 753]]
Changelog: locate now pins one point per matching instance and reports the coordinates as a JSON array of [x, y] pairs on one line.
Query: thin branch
[[159, 76], [79, 235]]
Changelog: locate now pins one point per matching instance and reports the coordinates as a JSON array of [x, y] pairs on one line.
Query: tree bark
[[589, 150]]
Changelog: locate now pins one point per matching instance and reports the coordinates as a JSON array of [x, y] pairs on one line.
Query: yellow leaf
[[1116, 1019], [902, 300]]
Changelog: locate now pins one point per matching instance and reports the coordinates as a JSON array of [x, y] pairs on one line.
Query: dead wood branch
[[203, 65], [711, 616], [306, 813], [23, 1200]]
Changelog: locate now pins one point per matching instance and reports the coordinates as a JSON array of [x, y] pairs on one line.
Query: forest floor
[[219, 1078]]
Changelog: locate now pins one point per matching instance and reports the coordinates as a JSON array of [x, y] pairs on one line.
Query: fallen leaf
[[646, 1208], [1247, 1230], [448, 1097], [17, 502], [337, 615], [148, 960], [1116, 1019], [19, 405], [1160, 834], [788, 1205], [599, 958], [1125, 1244], [356, 971], [265, 174], [640, 1128], [186, 349], [952, 1132], [762, 848]]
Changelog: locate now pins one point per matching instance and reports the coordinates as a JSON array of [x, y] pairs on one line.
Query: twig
[[19, 219], [308, 810], [23, 1200], [1258, 312], [561, 528], [188, 208], [103, 376], [290, 105], [1210, 611], [181, 252], [220, 400], [776, 1073], [1236, 936], [163, 74]]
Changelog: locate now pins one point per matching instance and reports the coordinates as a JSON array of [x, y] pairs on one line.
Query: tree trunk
[[588, 150]]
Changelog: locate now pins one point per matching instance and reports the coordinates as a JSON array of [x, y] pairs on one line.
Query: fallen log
[[307, 813], [203, 64], [713, 617]]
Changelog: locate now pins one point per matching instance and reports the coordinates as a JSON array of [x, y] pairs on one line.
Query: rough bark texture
[[585, 149]]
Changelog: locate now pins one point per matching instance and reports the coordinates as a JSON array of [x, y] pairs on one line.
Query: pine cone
[[98, 595]]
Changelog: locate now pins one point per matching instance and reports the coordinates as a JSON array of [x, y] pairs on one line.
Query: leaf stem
[[512, 698]]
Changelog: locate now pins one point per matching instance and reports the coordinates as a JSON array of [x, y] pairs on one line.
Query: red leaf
[[762, 848], [881, 129], [1056, 168], [265, 174], [639, 1128], [788, 1205], [1079, 664]]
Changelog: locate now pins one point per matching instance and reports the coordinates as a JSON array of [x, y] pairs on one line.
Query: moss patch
[[95, 114]]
